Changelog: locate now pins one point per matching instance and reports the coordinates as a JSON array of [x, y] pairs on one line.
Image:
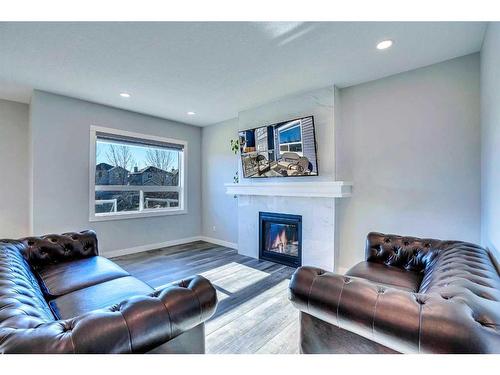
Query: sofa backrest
[[463, 268], [22, 304], [57, 248], [460, 286], [410, 253]]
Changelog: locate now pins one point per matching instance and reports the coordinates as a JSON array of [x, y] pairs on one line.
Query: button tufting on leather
[[67, 327], [483, 323], [450, 279], [29, 325], [419, 299]]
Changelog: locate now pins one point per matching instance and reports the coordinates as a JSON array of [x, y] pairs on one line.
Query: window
[[135, 175], [290, 138]]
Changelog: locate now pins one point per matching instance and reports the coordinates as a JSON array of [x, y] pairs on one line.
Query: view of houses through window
[[135, 176]]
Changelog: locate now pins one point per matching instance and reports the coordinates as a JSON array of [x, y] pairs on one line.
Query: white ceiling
[[214, 68]]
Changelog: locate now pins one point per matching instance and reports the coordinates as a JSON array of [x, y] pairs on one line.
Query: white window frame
[[292, 124], [143, 212]]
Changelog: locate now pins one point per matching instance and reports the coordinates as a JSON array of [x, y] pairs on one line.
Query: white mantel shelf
[[310, 189]]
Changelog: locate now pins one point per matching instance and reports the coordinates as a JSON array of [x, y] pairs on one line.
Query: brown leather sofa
[[411, 295], [58, 296]]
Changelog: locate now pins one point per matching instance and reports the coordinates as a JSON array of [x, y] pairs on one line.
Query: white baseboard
[[216, 241], [153, 246]]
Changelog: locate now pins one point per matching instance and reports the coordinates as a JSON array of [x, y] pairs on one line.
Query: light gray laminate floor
[[253, 315]]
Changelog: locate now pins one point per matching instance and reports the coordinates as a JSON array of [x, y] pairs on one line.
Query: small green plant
[[235, 147]]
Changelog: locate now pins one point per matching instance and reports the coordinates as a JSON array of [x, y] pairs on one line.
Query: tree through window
[[136, 174]]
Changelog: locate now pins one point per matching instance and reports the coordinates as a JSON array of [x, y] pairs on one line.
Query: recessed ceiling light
[[125, 95], [385, 44], [191, 113]]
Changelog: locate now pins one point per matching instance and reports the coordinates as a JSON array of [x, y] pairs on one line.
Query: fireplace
[[280, 237]]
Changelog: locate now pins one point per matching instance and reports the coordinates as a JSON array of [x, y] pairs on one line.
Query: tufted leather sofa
[[411, 295], [57, 295]]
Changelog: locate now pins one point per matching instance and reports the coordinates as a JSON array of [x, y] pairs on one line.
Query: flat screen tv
[[286, 149]]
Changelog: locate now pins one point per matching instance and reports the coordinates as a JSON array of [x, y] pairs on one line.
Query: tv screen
[[286, 149]]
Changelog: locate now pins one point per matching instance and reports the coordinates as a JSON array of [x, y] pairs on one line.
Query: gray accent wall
[[490, 136], [14, 158], [60, 137], [410, 143]]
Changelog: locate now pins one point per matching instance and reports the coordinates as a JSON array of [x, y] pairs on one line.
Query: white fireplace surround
[[313, 200], [320, 189]]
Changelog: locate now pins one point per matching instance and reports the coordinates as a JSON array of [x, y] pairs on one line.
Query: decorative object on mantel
[[316, 189]]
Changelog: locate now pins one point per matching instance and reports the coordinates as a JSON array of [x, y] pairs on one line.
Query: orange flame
[[280, 241]]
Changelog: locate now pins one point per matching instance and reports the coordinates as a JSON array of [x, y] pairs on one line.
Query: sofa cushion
[[387, 275], [98, 296], [62, 278]]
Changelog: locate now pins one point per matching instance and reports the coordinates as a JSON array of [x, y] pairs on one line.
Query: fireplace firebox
[[280, 238]]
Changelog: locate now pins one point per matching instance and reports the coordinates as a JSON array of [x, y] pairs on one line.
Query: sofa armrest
[[136, 325], [56, 248], [388, 316], [404, 321]]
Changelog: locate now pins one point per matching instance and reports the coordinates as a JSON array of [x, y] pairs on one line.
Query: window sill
[[136, 215]]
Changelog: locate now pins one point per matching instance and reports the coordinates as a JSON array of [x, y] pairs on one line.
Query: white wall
[[219, 165], [14, 159], [60, 155], [410, 143], [490, 141]]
